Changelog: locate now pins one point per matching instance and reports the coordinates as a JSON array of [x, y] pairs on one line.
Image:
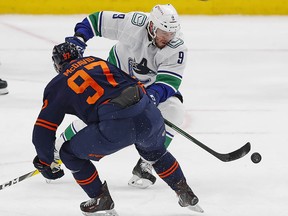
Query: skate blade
[[111, 212], [137, 182], [3, 91], [196, 208]]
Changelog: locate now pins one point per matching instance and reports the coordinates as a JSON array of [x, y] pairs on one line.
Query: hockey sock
[[72, 129], [69, 132], [168, 140], [169, 170], [88, 179]]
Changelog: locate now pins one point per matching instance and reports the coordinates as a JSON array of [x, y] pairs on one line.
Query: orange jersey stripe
[[47, 122], [89, 180], [169, 171], [46, 126]]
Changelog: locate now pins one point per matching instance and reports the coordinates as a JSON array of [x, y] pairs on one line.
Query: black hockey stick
[[239, 153], [19, 179]]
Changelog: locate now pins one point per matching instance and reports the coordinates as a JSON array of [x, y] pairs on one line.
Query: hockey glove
[[80, 45], [49, 172], [153, 96]]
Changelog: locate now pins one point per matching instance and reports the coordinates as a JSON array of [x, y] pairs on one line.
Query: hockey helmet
[[165, 17], [63, 54]]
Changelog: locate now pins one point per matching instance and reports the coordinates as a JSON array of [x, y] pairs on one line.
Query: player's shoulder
[[177, 42], [57, 83], [175, 46], [137, 18]]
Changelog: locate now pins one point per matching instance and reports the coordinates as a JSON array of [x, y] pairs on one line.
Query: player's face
[[163, 37]]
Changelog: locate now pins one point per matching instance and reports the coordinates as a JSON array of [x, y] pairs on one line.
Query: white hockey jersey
[[134, 52]]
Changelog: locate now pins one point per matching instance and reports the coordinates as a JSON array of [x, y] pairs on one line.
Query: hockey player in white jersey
[[151, 48]]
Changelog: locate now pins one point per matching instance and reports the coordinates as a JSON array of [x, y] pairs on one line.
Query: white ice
[[235, 90]]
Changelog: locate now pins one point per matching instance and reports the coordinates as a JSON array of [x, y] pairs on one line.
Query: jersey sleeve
[[106, 24], [49, 118], [171, 69]]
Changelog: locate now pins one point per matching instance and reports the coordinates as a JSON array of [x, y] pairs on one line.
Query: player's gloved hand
[[80, 45], [52, 172], [153, 96]]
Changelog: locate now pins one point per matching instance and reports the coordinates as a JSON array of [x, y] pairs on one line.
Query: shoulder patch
[[175, 43], [138, 19]]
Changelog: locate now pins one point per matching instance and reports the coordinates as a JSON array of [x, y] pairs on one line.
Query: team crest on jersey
[[138, 19], [175, 43], [138, 69]]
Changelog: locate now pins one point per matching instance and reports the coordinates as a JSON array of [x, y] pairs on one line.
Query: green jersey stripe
[[69, 132], [112, 57], [170, 80], [94, 20]]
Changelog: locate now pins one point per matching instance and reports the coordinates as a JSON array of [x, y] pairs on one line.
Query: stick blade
[[239, 153]]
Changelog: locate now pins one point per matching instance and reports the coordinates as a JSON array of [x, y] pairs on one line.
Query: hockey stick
[[239, 153], [19, 179], [23, 177]]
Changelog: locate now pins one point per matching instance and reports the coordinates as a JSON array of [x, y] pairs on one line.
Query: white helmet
[[165, 17]]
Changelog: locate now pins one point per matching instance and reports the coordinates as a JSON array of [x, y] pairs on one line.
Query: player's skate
[[102, 205], [3, 87], [142, 175], [186, 197]]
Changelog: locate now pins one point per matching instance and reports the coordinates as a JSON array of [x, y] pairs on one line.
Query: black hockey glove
[[49, 172], [80, 45]]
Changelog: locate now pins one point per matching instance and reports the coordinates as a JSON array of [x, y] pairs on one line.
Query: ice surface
[[235, 90]]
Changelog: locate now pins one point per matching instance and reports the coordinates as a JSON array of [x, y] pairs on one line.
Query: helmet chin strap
[[153, 33]]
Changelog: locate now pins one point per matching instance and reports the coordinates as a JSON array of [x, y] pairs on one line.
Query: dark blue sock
[[169, 170], [89, 180]]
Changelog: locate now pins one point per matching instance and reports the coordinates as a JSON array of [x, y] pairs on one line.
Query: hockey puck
[[256, 157]]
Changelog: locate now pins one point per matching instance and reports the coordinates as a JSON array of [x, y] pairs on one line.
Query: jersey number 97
[[88, 81]]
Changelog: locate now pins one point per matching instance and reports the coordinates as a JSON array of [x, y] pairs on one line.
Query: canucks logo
[[139, 19], [140, 70]]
